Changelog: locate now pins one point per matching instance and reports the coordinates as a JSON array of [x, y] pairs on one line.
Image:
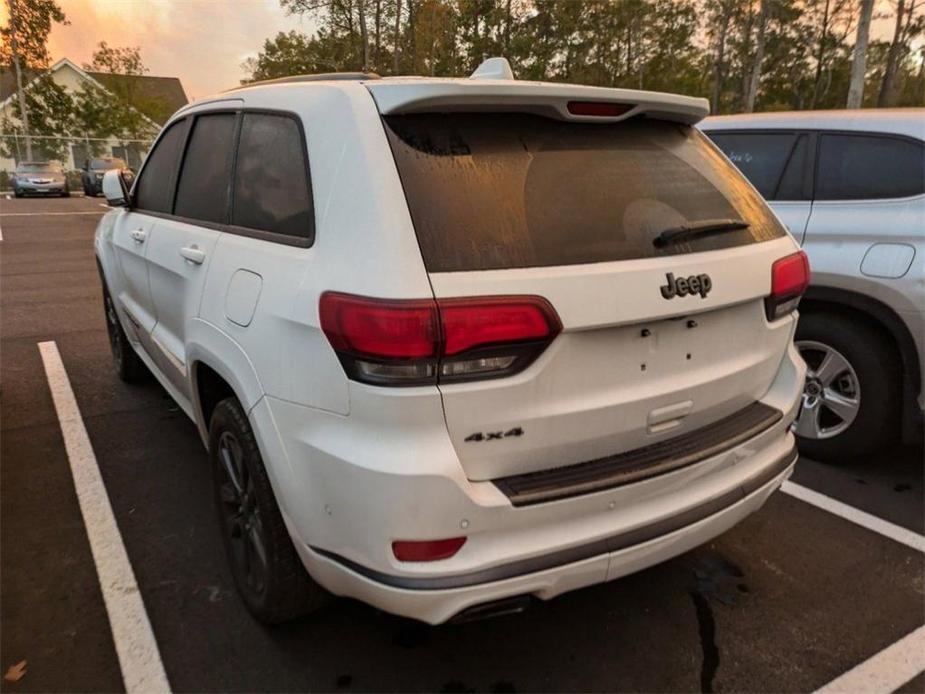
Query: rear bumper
[[438, 599], [348, 487]]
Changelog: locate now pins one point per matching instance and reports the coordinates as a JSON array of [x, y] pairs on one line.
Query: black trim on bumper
[[606, 545], [640, 463]]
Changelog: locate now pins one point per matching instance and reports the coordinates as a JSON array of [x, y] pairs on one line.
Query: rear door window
[[791, 186], [864, 167], [271, 189], [154, 189], [493, 190], [762, 157], [202, 192]]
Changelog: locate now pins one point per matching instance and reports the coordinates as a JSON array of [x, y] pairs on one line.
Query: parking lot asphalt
[[787, 601]]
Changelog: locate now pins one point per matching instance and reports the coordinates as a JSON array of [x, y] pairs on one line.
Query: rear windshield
[[492, 191]]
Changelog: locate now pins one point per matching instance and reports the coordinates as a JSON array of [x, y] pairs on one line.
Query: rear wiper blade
[[701, 228]]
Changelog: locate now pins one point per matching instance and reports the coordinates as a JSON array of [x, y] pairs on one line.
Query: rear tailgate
[[630, 367], [528, 204]]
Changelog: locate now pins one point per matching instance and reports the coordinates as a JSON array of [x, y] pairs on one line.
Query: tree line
[[744, 55]]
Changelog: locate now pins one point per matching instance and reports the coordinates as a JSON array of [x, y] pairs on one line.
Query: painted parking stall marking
[[136, 647], [887, 671], [856, 516]]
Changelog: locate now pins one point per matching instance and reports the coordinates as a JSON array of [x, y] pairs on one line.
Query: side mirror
[[115, 189]]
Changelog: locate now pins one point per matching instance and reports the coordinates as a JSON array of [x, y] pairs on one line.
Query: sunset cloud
[[203, 42]]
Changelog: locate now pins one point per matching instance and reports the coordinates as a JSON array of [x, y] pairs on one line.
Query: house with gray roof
[[154, 98]]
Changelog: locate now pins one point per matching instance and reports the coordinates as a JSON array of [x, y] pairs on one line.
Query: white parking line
[[45, 214], [887, 671], [139, 657], [856, 516]]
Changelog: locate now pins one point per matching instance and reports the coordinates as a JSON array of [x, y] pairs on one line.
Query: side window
[[272, 191], [760, 156], [791, 182], [857, 167], [202, 192], [155, 185]]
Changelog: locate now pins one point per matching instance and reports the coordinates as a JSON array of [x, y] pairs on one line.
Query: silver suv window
[[865, 167], [775, 162]]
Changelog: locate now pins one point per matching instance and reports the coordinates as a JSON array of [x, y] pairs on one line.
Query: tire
[[275, 588], [17, 194], [852, 406], [129, 366]]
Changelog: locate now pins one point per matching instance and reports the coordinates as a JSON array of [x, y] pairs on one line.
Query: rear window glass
[[271, 190], [153, 191], [203, 189], [493, 191], [762, 158], [857, 167], [791, 182]]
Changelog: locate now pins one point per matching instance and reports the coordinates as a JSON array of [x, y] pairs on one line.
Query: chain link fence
[[72, 153]]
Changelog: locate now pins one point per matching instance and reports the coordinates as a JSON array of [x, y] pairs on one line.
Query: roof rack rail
[[320, 77]]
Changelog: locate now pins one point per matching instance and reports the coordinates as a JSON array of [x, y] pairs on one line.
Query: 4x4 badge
[[494, 435], [682, 286]]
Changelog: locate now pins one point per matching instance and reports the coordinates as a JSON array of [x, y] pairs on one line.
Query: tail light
[[427, 550], [789, 279], [413, 342], [601, 109]]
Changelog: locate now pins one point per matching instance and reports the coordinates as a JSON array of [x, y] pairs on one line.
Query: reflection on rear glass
[[489, 191]]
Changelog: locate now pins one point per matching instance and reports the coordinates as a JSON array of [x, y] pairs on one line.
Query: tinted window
[[854, 167], [791, 182], [493, 190], [202, 192], [760, 156], [153, 190], [271, 191]]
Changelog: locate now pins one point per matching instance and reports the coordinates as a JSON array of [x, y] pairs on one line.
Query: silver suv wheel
[[831, 394]]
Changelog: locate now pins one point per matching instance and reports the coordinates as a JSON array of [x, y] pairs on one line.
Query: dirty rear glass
[[493, 191]]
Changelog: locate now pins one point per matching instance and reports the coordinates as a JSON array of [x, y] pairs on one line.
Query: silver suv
[[850, 186]]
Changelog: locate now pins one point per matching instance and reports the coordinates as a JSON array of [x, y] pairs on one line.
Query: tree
[[52, 111], [831, 21], [743, 54], [119, 107], [25, 45], [755, 75], [859, 60], [720, 15], [906, 28]]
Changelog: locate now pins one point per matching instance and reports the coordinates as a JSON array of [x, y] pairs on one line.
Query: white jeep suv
[[453, 344]]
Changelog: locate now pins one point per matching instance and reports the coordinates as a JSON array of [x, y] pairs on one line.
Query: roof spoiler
[[492, 88]]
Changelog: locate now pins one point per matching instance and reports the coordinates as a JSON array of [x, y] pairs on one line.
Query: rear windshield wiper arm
[[701, 228]]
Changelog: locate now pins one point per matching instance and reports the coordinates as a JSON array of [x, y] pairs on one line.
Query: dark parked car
[[40, 178], [93, 170]]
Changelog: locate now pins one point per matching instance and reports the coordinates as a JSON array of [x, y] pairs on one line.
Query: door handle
[[139, 235], [193, 254]]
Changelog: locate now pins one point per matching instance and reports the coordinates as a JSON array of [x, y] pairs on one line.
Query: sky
[[203, 42]]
